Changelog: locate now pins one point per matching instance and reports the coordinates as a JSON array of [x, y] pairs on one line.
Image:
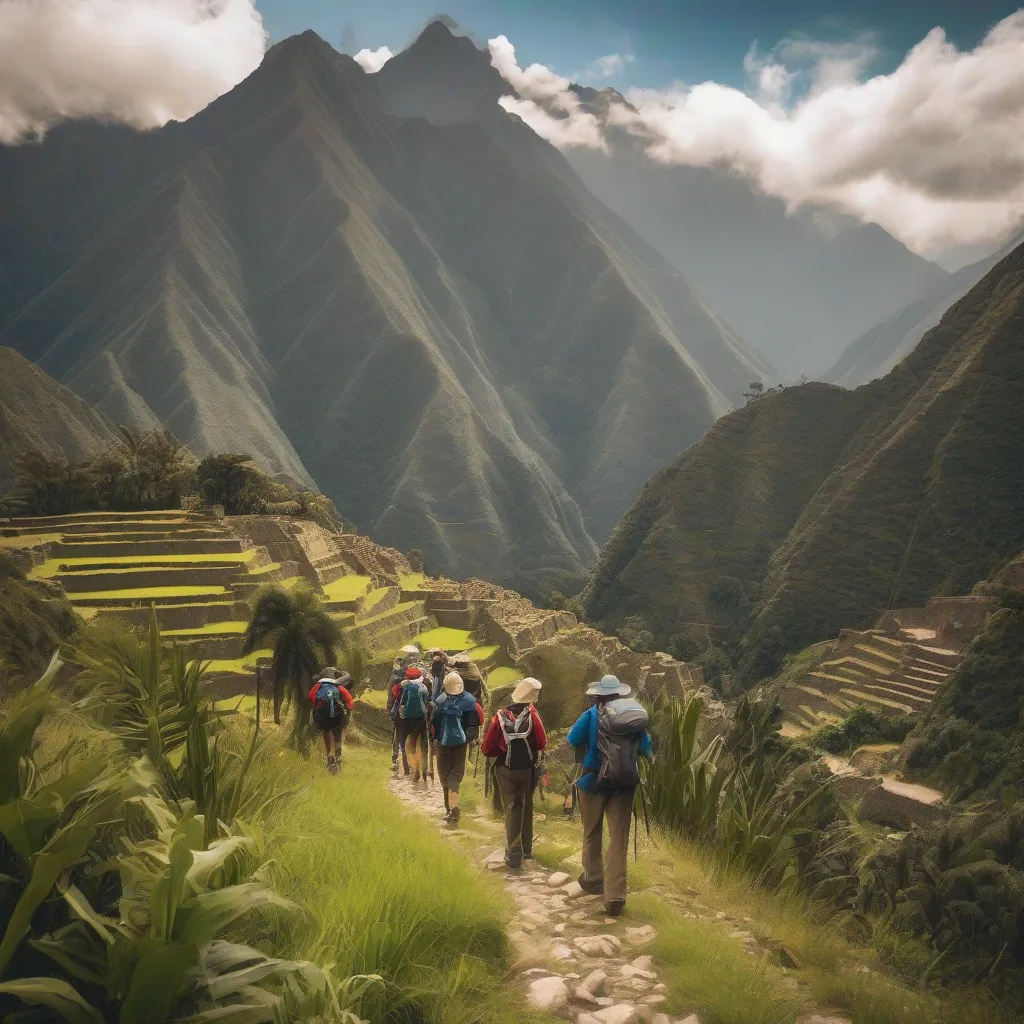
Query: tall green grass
[[386, 894]]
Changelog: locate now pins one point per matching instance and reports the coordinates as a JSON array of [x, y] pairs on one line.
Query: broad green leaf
[[204, 916], [63, 850], [83, 909], [77, 950], [55, 995], [18, 728], [157, 982], [170, 888]]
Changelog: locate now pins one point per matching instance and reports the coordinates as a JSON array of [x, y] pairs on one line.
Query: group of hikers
[[437, 707]]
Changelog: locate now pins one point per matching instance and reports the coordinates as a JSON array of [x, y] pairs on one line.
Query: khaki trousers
[[516, 788], [616, 809]]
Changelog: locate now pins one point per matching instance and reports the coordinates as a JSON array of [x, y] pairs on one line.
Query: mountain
[[37, 413], [877, 351], [800, 287], [817, 508], [458, 344]]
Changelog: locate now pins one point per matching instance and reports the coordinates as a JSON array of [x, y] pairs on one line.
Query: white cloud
[[545, 101], [933, 151], [143, 62], [372, 61], [609, 66]]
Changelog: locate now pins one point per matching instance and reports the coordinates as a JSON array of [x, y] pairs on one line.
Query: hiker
[[438, 670], [614, 732], [516, 740], [408, 655], [455, 721], [411, 721], [471, 677], [332, 704]]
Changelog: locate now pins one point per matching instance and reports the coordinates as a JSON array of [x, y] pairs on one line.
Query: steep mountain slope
[[799, 287], [925, 495], [877, 351], [456, 346], [38, 413]]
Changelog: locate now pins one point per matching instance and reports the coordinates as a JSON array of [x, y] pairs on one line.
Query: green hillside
[[816, 509]]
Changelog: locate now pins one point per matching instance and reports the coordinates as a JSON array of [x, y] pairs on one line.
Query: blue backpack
[[413, 708], [329, 694], [452, 733]]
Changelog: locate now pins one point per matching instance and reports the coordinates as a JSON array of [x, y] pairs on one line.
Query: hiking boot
[[614, 907], [513, 865], [415, 778], [332, 765], [453, 817], [594, 888]]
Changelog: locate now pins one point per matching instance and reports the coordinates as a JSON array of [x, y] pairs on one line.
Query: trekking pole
[[476, 759]]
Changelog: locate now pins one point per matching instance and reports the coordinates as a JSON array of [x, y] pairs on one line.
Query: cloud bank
[[143, 62], [545, 101], [933, 152], [371, 61]]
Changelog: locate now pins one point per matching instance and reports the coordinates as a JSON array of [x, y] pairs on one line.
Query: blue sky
[[688, 40]]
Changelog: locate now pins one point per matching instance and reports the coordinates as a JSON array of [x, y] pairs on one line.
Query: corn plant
[[685, 781]]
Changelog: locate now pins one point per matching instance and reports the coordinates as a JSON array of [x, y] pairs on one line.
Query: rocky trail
[[598, 971]]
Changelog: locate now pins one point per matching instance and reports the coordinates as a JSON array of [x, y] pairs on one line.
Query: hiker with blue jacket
[[411, 721], [614, 734], [455, 722]]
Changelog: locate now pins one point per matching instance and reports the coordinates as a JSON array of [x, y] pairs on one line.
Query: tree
[[233, 482], [303, 637], [634, 633], [45, 486], [415, 557]]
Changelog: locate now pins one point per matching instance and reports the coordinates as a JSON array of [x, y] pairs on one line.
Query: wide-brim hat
[[471, 672], [461, 659], [411, 649], [609, 686], [453, 684], [328, 673], [527, 691]]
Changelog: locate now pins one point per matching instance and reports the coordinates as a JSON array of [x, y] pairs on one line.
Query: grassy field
[[445, 638], [502, 676], [209, 628], [240, 665], [348, 588], [53, 565], [387, 895], [411, 580], [141, 593]]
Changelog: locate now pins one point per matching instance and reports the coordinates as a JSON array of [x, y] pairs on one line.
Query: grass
[[29, 540], [502, 676], [222, 666], [446, 638], [347, 588], [211, 628], [385, 894], [141, 593], [483, 653], [411, 580], [261, 569], [709, 972]]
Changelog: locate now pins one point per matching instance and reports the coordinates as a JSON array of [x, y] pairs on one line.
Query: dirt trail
[[595, 970]]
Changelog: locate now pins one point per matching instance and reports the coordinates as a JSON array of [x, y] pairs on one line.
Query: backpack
[[327, 693], [412, 706], [452, 732], [620, 724], [516, 730]]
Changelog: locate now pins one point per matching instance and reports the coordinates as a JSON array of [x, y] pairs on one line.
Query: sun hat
[[410, 649], [453, 684], [470, 672], [461, 659], [527, 691], [413, 672], [609, 686]]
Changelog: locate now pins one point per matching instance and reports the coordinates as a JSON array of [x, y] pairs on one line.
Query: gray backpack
[[620, 724]]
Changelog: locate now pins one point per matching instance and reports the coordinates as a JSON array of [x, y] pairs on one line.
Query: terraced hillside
[[892, 674], [199, 572]]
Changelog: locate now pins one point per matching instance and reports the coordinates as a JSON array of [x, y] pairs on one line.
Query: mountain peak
[[436, 32]]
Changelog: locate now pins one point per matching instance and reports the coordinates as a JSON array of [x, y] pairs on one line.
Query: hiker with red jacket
[[411, 721], [516, 740], [332, 705]]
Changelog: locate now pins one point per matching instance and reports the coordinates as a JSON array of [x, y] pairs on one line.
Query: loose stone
[[549, 994]]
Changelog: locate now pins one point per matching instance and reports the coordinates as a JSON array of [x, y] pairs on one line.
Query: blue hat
[[609, 686]]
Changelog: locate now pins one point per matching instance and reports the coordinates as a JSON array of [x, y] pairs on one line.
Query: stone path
[[587, 967]]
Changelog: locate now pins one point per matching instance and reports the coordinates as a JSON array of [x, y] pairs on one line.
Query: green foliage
[[716, 663], [303, 637], [415, 557], [33, 623], [685, 647], [859, 727], [114, 905], [635, 634], [762, 655]]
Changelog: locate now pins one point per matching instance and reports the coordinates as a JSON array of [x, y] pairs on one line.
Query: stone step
[[862, 696], [850, 661], [902, 683], [86, 548], [140, 599], [176, 616], [130, 579], [871, 652], [109, 517], [938, 656], [898, 694], [924, 670]]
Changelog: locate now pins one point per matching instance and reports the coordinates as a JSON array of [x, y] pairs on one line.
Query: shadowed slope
[[906, 488]]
